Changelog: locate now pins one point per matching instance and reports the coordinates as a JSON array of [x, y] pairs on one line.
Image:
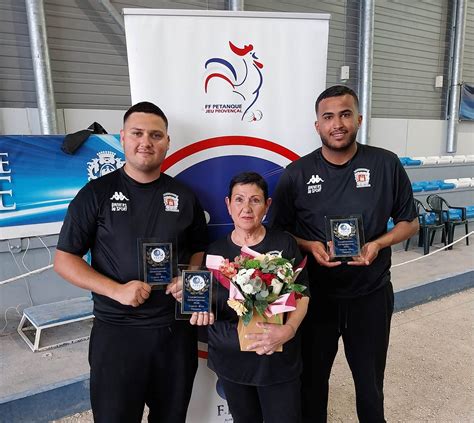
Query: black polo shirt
[[110, 214], [373, 184]]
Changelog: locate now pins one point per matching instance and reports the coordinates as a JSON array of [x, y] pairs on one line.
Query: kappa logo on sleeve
[[119, 207], [171, 201], [314, 184], [362, 177]]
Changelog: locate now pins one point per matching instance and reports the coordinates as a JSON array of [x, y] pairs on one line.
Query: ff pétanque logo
[[242, 72]]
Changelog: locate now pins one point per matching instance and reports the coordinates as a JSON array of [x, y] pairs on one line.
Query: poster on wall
[[466, 105], [238, 89], [38, 180]]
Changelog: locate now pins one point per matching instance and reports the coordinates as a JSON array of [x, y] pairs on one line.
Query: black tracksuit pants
[[277, 403], [131, 367], [364, 324]]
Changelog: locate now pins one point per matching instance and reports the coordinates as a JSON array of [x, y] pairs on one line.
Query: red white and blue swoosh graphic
[[209, 177]]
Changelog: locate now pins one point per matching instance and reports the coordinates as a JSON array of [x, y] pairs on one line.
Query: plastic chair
[[420, 159], [412, 162], [430, 221], [390, 225], [451, 220], [443, 184], [464, 182], [425, 186], [459, 158], [403, 160], [445, 159], [416, 187], [470, 212], [431, 186], [430, 160]]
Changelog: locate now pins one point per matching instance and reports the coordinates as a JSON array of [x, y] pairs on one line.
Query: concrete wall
[[419, 137], [18, 257], [405, 137]]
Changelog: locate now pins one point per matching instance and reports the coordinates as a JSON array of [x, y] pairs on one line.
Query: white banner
[[239, 90]]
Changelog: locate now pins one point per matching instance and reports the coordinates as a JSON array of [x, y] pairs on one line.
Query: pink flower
[[228, 269]]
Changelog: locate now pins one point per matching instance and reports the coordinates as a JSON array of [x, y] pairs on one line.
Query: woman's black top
[[225, 357]]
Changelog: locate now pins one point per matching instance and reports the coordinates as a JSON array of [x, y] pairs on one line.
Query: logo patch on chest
[[362, 177], [314, 184], [171, 201], [119, 207]]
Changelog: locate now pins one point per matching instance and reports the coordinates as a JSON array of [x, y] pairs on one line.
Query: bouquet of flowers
[[264, 283]]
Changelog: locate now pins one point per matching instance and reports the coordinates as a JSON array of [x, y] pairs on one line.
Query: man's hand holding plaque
[[156, 262], [345, 238], [198, 297], [197, 291], [369, 253]]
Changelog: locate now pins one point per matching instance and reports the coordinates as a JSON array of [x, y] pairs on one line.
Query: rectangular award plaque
[[156, 265], [345, 237], [197, 291]]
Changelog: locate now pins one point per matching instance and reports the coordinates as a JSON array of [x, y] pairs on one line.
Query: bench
[[46, 316]]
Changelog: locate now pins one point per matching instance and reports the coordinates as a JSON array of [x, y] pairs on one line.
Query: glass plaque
[[197, 291], [345, 237], [156, 265]]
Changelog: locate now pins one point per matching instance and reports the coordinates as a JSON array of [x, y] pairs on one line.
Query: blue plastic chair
[[445, 185], [449, 215], [430, 221], [403, 160], [431, 186], [390, 225], [470, 212], [412, 162]]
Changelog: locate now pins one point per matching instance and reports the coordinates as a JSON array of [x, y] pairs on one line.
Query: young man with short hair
[[353, 299], [139, 354]]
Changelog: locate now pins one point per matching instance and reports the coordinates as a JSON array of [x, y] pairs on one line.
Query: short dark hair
[[246, 178], [145, 107], [336, 91]]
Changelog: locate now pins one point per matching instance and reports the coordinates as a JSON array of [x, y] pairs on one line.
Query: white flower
[[277, 286], [243, 276], [247, 288], [281, 273]]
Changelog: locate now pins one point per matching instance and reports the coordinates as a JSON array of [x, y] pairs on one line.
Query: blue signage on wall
[[38, 180]]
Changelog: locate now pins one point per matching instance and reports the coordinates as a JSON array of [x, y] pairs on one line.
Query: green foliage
[[295, 287], [251, 264], [247, 317], [271, 297], [261, 306]]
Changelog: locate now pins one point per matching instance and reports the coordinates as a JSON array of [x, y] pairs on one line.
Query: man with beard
[[352, 299]]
